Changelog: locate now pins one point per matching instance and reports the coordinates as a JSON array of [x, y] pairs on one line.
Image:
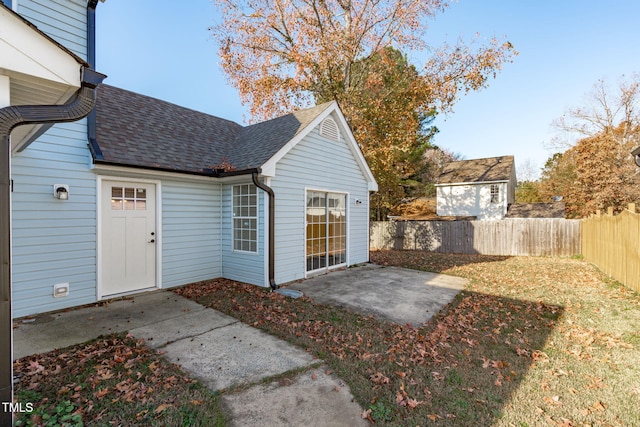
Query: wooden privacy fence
[[509, 237], [612, 243]]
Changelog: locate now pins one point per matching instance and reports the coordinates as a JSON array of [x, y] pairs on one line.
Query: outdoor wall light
[[636, 155], [61, 191]]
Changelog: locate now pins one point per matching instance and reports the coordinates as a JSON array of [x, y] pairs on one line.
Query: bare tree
[[606, 111]]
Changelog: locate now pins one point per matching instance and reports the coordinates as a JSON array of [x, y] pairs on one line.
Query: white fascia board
[[106, 170], [24, 50], [472, 183], [269, 168], [137, 173], [355, 149]]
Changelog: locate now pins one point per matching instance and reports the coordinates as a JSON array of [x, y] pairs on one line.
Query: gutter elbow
[[272, 222]]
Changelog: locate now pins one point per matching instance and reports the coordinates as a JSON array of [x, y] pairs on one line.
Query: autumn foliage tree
[[286, 54], [597, 171], [391, 121]]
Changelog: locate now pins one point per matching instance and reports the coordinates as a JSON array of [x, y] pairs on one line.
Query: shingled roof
[[537, 210], [137, 130], [478, 170]]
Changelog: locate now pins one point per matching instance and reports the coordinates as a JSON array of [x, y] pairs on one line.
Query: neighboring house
[[636, 155], [483, 188], [537, 210], [160, 196]]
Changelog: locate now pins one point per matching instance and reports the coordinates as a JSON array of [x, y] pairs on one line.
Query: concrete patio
[[396, 294]]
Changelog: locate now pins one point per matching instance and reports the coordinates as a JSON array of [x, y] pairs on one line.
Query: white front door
[[128, 243]]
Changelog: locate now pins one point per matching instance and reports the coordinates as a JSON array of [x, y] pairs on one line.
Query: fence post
[[610, 211], [632, 207]]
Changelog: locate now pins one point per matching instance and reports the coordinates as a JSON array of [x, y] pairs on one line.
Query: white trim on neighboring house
[[269, 168], [472, 183], [346, 237], [99, 234]]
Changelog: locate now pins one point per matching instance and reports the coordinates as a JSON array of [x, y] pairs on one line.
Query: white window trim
[[257, 218], [497, 194]]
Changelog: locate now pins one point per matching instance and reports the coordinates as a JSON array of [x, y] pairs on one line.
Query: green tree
[[390, 116], [528, 192]]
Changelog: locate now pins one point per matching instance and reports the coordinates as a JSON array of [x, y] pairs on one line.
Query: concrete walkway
[[396, 294], [218, 350], [223, 353]]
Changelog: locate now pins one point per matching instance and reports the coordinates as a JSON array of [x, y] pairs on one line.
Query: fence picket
[[612, 243], [510, 237]]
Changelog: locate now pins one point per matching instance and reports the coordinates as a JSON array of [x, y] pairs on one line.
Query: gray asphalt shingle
[[477, 170], [137, 130]]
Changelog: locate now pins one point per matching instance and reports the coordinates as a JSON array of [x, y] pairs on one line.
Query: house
[[145, 194], [636, 155], [483, 188]]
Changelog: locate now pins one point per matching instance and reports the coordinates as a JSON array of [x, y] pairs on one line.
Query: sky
[[163, 49]]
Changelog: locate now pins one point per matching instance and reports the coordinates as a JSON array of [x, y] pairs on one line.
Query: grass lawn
[[530, 341]]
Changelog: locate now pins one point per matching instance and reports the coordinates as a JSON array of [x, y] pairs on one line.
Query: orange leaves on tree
[[282, 55]]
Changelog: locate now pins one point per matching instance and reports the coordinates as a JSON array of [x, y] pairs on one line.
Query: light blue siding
[[190, 232], [65, 21], [317, 163], [242, 266], [53, 240]]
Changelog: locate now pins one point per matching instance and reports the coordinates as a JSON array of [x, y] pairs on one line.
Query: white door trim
[[347, 231], [99, 233]]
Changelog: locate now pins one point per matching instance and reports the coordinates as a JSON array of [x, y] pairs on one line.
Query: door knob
[[152, 241]]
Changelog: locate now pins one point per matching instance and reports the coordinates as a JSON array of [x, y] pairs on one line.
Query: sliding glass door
[[326, 239]]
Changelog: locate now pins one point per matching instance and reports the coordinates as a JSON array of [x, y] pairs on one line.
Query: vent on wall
[[329, 128]]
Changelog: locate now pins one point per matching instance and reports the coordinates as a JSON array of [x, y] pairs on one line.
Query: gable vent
[[329, 128]]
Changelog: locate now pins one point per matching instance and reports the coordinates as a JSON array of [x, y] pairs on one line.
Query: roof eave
[[473, 183]]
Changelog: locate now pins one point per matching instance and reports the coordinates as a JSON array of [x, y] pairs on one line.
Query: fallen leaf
[[379, 378], [367, 415], [413, 403], [162, 407]]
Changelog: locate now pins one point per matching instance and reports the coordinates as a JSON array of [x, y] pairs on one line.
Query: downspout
[[272, 223], [91, 59], [11, 117]]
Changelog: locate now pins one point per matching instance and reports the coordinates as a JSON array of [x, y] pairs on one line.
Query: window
[[128, 199], [495, 193], [245, 218], [7, 3]]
